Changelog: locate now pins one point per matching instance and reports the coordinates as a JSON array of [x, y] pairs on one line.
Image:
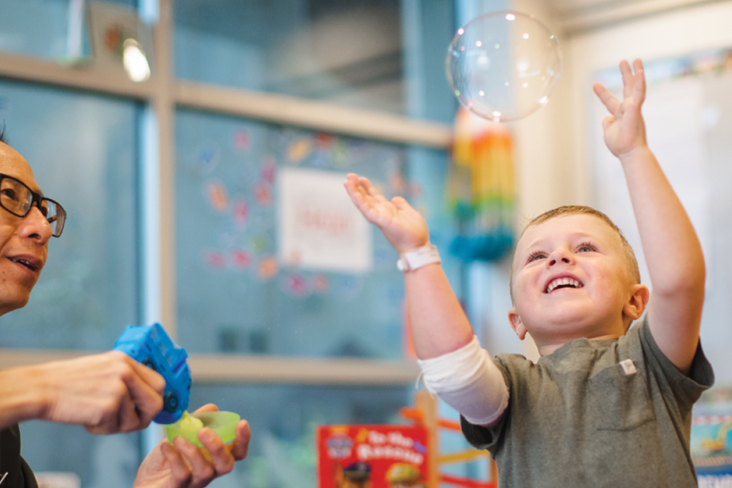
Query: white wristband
[[421, 256]]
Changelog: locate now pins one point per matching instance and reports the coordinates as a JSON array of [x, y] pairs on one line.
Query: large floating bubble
[[503, 65]]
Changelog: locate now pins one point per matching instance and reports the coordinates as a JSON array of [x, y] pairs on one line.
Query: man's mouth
[[562, 283], [32, 265]]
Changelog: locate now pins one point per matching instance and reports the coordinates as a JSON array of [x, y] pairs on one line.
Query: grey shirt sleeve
[[685, 389]]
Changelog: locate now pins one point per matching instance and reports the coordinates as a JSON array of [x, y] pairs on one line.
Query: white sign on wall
[[319, 227]]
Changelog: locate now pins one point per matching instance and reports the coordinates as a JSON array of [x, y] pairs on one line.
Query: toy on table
[[151, 346]]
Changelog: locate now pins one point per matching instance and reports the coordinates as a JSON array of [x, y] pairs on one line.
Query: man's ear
[[637, 302], [516, 324]]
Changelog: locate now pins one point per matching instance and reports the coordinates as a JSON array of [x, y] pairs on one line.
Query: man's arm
[[672, 250], [106, 393]]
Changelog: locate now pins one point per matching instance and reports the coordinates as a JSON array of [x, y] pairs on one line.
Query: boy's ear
[[516, 324], [637, 302]]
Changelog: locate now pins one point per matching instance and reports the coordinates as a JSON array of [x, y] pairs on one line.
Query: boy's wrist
[[641, 151], [416, 258]]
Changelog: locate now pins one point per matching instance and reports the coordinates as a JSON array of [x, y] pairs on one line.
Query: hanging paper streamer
[[217, 196], [269, 170], [207, 158], [241, 258], [215, 259], [241, 211], [299, 150], [296, 285], [263, 195], [321, 284], [241, 140], [267, 268], [324, 140], [481, 188]]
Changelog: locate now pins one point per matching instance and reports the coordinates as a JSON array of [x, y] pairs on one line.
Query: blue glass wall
[[82, 149], [385, 55], [233, 294]]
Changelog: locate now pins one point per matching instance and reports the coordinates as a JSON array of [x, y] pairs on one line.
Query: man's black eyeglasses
[[18, 199]]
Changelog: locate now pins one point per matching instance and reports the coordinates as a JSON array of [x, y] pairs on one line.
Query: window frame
[[161, 95]]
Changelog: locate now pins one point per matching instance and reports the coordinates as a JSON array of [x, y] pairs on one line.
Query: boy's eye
[[586, 247], [536, 255]]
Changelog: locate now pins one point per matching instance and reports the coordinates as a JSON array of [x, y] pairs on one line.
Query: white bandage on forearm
[[468, 381]]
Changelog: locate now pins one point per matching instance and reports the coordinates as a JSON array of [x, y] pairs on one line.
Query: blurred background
[[170, 129]]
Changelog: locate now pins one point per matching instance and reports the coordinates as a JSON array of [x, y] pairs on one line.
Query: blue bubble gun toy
[[151, 346]]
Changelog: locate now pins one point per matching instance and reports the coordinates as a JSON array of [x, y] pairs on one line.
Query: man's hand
[[403, 227], [624, 129], [183, 465], [106, 393]]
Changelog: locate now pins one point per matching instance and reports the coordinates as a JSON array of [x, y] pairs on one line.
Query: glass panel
[[46, 28], [100, 461], [378, 54], [233, 294], [283, 421], [82, 149]]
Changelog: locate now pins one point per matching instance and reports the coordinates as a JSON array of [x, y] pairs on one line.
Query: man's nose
[[35, 226]]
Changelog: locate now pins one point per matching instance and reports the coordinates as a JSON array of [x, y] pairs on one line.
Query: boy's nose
[[559, 256]]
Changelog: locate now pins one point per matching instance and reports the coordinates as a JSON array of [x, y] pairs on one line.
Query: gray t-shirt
[[585, 416]]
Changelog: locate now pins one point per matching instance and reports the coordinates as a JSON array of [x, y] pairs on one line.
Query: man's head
[[574, 275], [23, 240]]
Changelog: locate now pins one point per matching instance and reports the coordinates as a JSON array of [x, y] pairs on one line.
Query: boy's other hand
[[624, 130], [403, 227]]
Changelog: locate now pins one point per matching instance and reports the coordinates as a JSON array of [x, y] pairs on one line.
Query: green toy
[[222, 423]]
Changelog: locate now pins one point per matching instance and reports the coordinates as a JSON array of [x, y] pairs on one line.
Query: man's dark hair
[[2, 133]]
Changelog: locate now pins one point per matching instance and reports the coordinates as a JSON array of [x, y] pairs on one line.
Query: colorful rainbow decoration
[[481, 188]]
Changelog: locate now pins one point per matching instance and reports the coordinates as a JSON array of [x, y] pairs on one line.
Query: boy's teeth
[[562, 281]]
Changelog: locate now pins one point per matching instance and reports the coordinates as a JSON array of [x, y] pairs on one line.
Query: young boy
[[605, 405]]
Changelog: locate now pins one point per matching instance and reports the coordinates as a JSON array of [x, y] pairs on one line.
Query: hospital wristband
[[419, 257]]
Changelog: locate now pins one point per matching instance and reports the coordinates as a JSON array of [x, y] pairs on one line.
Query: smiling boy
[[591, 274], [605, 405]]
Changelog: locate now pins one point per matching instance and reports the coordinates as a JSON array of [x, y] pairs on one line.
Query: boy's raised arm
[[439, 325], [672, 251]]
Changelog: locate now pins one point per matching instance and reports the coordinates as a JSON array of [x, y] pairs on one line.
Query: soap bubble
[[503, 65]]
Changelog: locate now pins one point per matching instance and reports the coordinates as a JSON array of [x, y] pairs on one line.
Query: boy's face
[[571, 279]]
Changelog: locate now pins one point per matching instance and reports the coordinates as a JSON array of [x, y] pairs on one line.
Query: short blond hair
[[630, 259]]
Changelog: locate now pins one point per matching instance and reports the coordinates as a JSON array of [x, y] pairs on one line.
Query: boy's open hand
[[624, 129], [403, 227]]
